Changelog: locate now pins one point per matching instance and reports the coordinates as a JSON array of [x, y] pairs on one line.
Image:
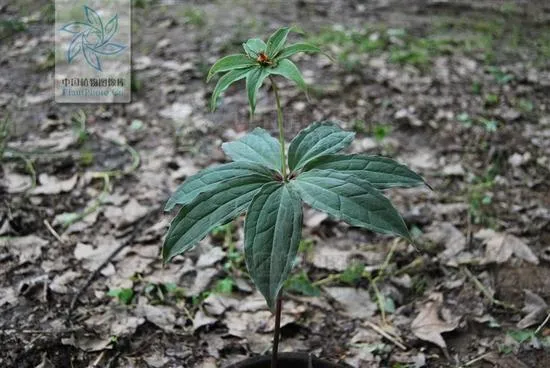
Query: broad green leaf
[[296, 48], [258, 146], [272, 232], [254, 46], [225, 81], [277, 41], [218, 206], [381, 172], [206, 180], [230, 62], [350, 199], [254, 81], [289, 70], [318, 139]]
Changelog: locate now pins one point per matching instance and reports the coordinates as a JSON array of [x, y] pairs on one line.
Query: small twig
[[96, 362], [52, 231], [40, 332], [385, 334], [484, 290], [542, 324], [381, 299], [475, 360], [96, 272], [326, 280]]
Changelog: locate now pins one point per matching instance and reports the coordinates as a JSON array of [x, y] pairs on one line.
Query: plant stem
[[276, 333], [281, 130]]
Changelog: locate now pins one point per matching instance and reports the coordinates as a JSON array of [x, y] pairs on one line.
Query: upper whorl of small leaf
[[289, 70], [296, 48], [230, 62], [253, 47], [225, 81], [261, 59], [276, 41]]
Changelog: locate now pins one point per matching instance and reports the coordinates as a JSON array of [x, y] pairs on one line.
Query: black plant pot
[[287, 360]]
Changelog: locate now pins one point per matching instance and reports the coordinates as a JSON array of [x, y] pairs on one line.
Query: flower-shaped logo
[[92, 38]]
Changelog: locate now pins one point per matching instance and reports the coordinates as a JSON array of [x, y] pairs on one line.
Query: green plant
[[195, 17], [124, 295], [525, 105], [270, 185], [301, 284], [500, 76], [9, 27], [491, 99], [381, 131], [79, 126]]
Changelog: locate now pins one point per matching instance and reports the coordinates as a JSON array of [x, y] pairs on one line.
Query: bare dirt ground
[[456, 89]]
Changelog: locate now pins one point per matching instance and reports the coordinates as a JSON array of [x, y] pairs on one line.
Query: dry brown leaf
[[201, 319], [61, 282], [202, 280], [536, 309], [127, 215], [500, 247], [52, 185], [210, 258], [27, 248], [15, 183], [429, 326], [159, 315], [447, 235], [356, 302], [216, 304]]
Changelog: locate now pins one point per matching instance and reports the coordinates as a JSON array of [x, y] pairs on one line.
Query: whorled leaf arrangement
[[260, 61], [347, 187]]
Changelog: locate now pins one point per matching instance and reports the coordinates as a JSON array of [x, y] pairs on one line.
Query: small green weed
[[381, 131], [301, 284], [123, 295]]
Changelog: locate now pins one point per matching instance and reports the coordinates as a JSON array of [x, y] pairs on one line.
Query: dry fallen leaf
[[201, 319], [127, 215], [202, 280], [330, 258], [27, 248], [356, 302], [15, 183], [93, 257], [159, 315], [447, 235], [500, 247], [536, 309], [52, 185], [428, 325], [216, 304], [210, 257], [60, 284]]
